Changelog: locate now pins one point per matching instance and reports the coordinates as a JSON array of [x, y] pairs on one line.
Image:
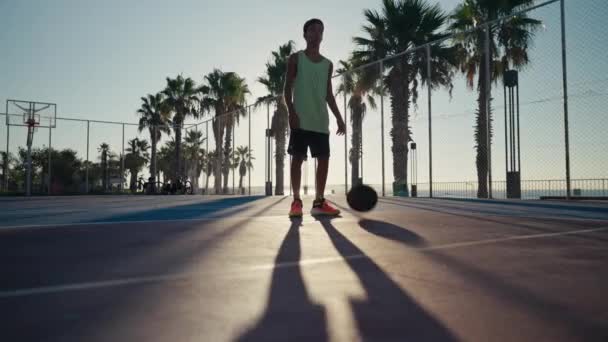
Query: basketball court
[[194, 268]]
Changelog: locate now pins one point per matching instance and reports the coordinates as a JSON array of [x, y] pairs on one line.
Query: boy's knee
[[297, 161]]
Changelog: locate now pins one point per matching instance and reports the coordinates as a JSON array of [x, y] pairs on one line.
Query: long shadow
[[524, 203], [217, 208], [508, 222], [388, 313], [544, 308], [73, 255], [290, 314], [517, 295], [491, 211]]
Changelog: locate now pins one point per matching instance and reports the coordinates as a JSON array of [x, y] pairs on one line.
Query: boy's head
[[313, 32]]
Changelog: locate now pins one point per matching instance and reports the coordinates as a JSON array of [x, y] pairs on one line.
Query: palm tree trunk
[[153, 160], [104, 173], [178, 151], [280, 143], [218, 128], [356, 146], [226, 160], [280, 135], [400, 132], [133, 183], [4, 171], [207, 184], [481, 137], [197, 176]]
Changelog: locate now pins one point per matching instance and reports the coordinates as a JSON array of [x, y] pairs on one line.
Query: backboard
[[31, 114]]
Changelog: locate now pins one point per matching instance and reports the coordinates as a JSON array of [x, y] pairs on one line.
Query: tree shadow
[[217, 208], [388, 312], [519, 296], [536, 303], [507, 221], [290, 314], [47, 257], [527, 203]]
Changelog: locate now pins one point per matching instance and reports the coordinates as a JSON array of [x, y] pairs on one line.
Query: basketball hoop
[[31, 113]]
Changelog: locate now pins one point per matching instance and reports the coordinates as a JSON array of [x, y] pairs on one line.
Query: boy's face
[[314, 34]]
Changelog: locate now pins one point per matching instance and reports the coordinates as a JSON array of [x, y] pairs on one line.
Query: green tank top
[[310, 93]]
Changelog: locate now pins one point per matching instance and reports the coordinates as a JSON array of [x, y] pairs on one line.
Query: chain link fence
[[417, 124]]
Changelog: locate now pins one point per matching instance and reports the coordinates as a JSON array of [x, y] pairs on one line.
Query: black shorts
[[301, 140]]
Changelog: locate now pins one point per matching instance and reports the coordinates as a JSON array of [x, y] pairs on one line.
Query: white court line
[[510, 238], [307, 262]]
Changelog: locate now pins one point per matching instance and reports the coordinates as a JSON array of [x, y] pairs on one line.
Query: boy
[[309, 81]]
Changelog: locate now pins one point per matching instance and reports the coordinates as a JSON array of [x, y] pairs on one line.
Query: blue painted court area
[[97, 209], [191, 268]]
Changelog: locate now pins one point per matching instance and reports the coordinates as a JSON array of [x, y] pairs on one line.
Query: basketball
[[362, 198]]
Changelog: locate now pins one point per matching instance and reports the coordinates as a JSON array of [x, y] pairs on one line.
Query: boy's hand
[[341, 127], [294, 121]]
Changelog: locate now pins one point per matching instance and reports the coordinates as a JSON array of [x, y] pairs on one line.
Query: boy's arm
[[292, 70], [331, 101]]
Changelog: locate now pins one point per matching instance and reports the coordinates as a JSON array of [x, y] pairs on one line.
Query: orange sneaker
[[296, 208], [322, 207]]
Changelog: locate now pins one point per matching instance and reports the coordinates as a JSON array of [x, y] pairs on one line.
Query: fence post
[[429, 89], [345, 146], [8, 130], [122, 160], [208, 156], [488, 105], [87, 168], [50, 172], [381, 71], [233, 150], [565, 86], [250, 153]]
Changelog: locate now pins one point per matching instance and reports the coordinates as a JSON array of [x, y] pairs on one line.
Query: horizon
[[123, 81]]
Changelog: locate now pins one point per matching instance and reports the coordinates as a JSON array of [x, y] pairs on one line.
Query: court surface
[[193, 268]]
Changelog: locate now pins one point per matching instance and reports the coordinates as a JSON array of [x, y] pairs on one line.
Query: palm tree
[[403, 25], [509, 44], [243, 159], [104, 149], [154, 115], [166, 158], [136, 158], [224, 93], [274, 80], [181, 97], [202, 164], [6, 160], [359, 88], [193, 155], [210, 168], [233, 164]]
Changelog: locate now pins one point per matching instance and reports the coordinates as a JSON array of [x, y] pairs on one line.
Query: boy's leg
[[322, 170], [298, 147], [320, 149], [296, 175]]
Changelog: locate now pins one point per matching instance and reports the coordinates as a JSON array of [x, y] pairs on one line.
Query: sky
[[96, 59]]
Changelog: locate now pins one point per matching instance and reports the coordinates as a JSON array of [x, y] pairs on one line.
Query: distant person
[[308, 92]]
